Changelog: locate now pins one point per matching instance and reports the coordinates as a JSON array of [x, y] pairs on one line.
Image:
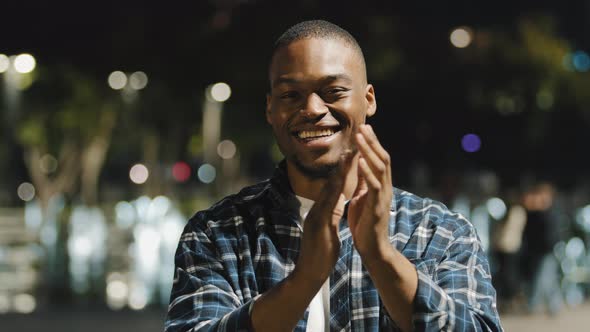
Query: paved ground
[[571, 319], [85, 320]]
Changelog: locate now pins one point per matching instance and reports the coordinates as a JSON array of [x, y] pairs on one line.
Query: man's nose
[[314, 106]]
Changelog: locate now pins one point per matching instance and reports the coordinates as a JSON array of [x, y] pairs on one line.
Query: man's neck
[[311, 188]]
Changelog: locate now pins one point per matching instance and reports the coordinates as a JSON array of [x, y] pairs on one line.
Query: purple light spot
[[471, 143]]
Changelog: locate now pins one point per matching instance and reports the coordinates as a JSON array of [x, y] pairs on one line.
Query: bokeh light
[[26, 191], [181, 171], [545, 99], [139, 174], [220, 92], [24, 303], [505, 104], [48, 164], [4, 63], [581, 61], [461, 37], [117, 80], [471, 143], [206, 173], [226, 149], [138, 299], [125, 213], [583, 217], [496, 208], [24, 63], [81, 246], [138, 80], [575, 248], [117, 291]]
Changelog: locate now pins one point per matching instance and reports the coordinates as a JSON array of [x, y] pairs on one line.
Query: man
[[327, 244]]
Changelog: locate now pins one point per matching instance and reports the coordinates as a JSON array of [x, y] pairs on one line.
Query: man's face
[[319, 96]]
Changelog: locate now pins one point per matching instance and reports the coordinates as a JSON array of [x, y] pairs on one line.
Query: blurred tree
[[72, 117]]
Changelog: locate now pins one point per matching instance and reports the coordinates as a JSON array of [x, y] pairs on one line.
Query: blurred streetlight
[[461, 37], [181, 171], [471, 143], [117, 80], [24, 63], [129, 85], [17, 72], [226, 149], [138, 80], [220, 92], [26, 191], [139, 174], [206, 173], [215, 96]]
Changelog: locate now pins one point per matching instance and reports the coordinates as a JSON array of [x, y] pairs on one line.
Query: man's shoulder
[[232, 209], [416, 211]]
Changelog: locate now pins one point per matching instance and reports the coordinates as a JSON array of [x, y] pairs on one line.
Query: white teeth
[[315, 133]]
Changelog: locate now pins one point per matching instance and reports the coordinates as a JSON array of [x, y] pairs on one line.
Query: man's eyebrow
[[325, 79], [285, 80], [337, 77]]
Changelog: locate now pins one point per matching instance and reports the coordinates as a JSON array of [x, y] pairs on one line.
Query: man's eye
[[334, 94], [335, 91], [289, 95]]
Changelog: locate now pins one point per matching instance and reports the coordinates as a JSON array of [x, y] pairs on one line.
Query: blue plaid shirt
[[248, 242]]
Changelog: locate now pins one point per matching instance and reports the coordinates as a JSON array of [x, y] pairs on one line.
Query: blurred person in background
[[507, 243], [327, 244], [541, 233]]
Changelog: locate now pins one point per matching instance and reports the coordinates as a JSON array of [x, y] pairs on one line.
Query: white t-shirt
[[319, 308]]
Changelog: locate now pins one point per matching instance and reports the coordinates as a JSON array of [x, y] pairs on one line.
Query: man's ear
[[371, 101], [267, 112]]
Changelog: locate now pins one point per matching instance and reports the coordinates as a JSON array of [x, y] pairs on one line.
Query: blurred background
[[122, 119]]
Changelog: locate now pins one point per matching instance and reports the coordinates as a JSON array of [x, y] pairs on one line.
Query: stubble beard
[[315, 172], [323, 171]]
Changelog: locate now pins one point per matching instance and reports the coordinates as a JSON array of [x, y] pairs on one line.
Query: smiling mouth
[[310, 135]]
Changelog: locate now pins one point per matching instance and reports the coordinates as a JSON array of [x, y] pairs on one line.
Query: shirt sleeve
[[458, 295], [202, 298]]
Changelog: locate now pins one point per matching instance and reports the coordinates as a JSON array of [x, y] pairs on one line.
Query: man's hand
[[280, 308], [394, 276], [368, 211], [320, 244]]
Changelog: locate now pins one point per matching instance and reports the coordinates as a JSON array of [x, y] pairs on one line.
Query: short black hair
[[316, 29]]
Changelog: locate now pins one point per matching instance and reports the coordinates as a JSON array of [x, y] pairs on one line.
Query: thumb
[[338, 210], [335, 183]]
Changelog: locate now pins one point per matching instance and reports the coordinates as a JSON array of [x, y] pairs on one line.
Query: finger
[[361, 186], [370, 178], [375, 163], [382, 153], [374, 143]]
